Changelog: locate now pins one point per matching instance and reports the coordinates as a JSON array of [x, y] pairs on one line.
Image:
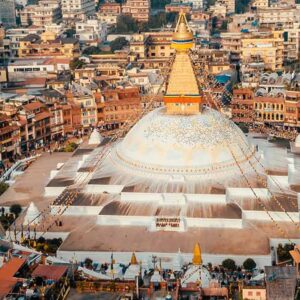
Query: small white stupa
[[32, 216], [133, 270], [156, 277], [178, 261], [95, 138], [196, 273]]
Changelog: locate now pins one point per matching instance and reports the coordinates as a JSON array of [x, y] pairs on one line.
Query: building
[[36, 118], [91, 32], [46, 12], [260, 4], [48, 45], [176, 7], [109, 12], [9, 138], [7, 13], [138, 9], [151, 45], [281, 282], [267, 47], [117, 106], [254, 293], [36, 68], [73, 10]]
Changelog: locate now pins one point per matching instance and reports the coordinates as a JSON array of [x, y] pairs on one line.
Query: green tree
[[156, 4], [249, 264], [229, 264], [3, 187], [126, 24], [241, 6], [76, 64], [88, 262], [15, 209], [70, 32], [283, 252], [118, 44], [91, 50]]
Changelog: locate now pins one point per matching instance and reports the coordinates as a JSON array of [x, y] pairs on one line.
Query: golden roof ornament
[[133, 260], [197, 258], [183, 38]]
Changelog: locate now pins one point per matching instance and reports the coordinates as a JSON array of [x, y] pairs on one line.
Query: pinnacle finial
[[197, 258]]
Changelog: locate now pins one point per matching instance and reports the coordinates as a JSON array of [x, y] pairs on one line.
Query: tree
[[3, 187], [283, 252], [229, 264], [249, 264], [76, 64], [118, 44], [159, 3], [126, 24], [88, 262], [15, 209], [91, 50], [70, 32]]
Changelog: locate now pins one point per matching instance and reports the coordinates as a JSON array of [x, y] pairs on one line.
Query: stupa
[[184, 172], [196, 273], [32, 215]]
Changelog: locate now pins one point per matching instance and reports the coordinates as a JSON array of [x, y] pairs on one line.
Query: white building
[[91, 32], [44, 13], [77, 9], [35, 68]]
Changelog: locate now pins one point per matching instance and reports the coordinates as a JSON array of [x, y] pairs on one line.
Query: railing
[[16, 166]]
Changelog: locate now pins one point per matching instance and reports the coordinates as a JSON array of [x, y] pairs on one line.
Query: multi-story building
[[267, 47], [151, 45], [260, 4], [73, 10], [246, 22], [91, 32], [280, 109], [229, 4], [34, 45], [116, 106], [9, 137], [7, 13], [36, 68], [46, 12], [176, 7], [109, 12], [231, 41], [14, 35], [138, 9], [71, 117], [197, 4], [273, 16], [37, 130]]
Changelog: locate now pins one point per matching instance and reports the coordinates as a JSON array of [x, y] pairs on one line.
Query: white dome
[[182, 148], [183, 144]]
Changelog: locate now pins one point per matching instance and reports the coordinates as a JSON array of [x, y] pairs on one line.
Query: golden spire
[[183, 39], [197, 258], [133, 260]]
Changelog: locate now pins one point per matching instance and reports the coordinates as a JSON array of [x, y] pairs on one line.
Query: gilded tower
[[182, 95]]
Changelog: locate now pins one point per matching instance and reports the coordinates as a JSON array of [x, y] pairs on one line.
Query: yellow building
[[48, 45], [151, 45], [265, 47]]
